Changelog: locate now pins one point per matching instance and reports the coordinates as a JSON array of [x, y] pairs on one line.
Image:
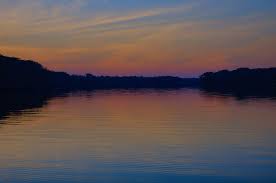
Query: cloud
[[38, 23], [75, 34]]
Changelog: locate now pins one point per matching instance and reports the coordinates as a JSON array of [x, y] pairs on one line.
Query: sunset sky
[[140, 37]]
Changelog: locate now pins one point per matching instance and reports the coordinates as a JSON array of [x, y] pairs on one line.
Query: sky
[[140, 37]]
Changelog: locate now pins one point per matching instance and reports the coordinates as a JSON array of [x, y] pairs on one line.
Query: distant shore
[[25, 74]]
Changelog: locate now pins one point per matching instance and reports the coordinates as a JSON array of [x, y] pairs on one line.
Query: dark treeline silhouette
[[28, 85], [241, 82], [25, 74]]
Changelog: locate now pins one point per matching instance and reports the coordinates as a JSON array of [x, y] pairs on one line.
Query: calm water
[[137, 136]]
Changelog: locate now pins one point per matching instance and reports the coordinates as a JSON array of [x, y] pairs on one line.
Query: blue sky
[[130, 37]]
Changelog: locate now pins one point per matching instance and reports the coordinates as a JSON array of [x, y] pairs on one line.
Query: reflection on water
[[136, 136]]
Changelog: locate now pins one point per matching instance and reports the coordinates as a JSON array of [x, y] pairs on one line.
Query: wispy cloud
[[167, 39], [68, 16]]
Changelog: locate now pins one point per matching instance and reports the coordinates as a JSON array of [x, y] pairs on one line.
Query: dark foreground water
[[137, 136]]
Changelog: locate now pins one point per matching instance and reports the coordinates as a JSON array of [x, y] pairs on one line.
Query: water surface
[[137, 136]]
